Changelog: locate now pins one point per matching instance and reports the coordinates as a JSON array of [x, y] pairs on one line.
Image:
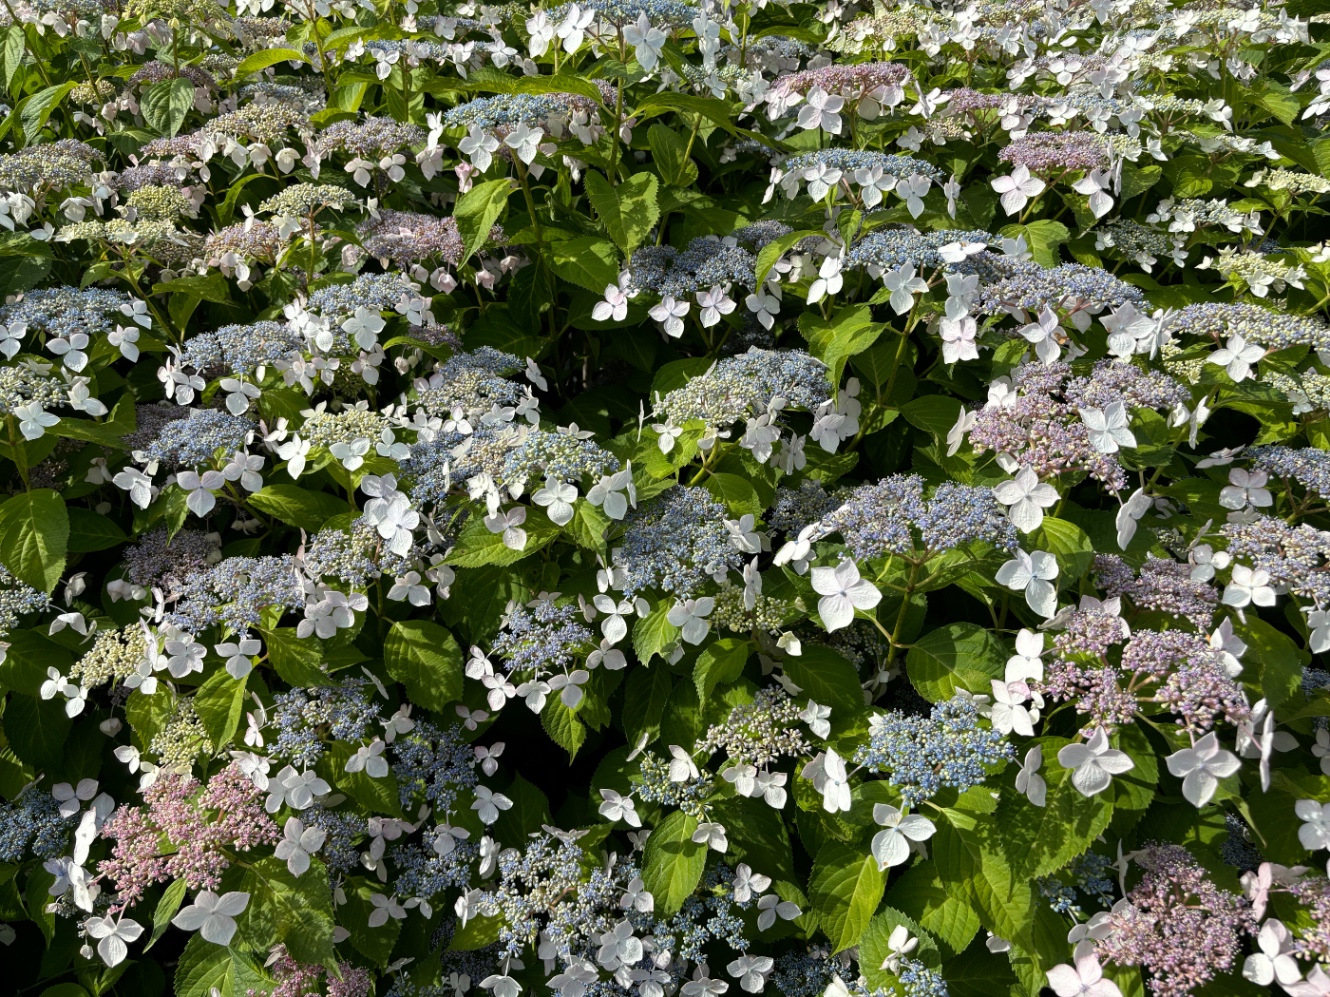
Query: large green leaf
[[670, 156], [257, 61], [220, 703], [477, 211], [376, 796], [425, 658], [528, 814], [1071, 545], [34, 111], [205, 970], [377, 943], [646, 692], [587, 261], [975, 873], [956, 656], [294, 910], [628, 211], [1037, 841], [848, 332], [34, 537], [476, 546], [296, 506], [559, 83], [673, 862], [980, 973], [828, 679], [1280, 661], [564, 726], [875, 946], [919, 894], [11, 53], [721, 662], [654, 633], [20, 273], [27, 658], [90, 532], [172, 897], [735, 492], [845, 888], [1042, 237], [769, 254], [165, 104], [757, 836], [1273, 819], [37, 729], [298, 661]]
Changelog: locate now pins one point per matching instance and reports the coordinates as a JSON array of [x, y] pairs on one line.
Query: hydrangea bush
[[636, 498]]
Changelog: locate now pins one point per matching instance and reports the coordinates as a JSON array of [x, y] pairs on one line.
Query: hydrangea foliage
[[637, 498]]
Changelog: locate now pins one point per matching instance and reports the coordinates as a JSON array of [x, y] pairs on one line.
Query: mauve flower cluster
[[1170, 671], [1176, 923], [1058, 152], [202, 827], [1162, 585], [1036, 421]]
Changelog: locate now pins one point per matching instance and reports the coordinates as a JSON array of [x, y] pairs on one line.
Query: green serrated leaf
[[976, 874], [269, 57], [375, 795], [298, 661], [27, 657], [529, 812], [296, 911], [875, 947], [653, 634], [375, 944], [206, 969], [628, 211], [1075, 552], [220, 703], [1042, 237], [845, 888], [34, 537], [919, 894], [37, 730], [296, 506], [1037, 841], [669, 154], [827, 678], [587, 261], [425, 658], [646, 693], [833, 341], [721, 662], [477, 211], [165, 104], [956, 656], [735, 493], [172, 897], [34, 111], [673, 862], [476, 546], [769, 254], [90, 532], [563, 726]]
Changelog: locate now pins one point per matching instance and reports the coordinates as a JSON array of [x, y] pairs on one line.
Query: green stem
[[16, 447], [895, 636], [688, 150], [128, 274], [530, 206], [896, 366]]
